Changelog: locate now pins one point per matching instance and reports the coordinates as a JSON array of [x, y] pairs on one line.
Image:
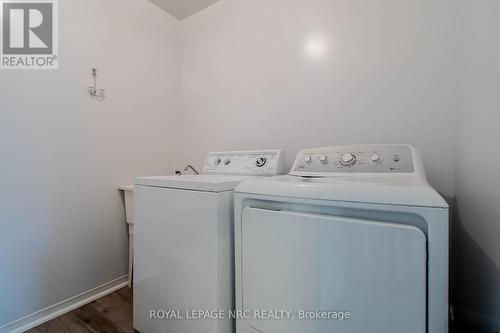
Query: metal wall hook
[[93, 91]]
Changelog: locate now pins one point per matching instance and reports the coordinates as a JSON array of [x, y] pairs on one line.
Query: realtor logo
[[29, 38]]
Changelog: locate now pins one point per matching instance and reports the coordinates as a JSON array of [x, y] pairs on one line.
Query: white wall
[[253, 77], [478, 157], [478, 167], [63, 155]]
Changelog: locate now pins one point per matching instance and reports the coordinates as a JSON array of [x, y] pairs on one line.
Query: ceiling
[[182, 9]]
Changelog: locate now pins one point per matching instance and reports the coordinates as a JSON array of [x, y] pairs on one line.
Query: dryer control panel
[[245, 163], [356, 159]]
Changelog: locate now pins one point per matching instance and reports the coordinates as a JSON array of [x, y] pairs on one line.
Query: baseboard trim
[[58, 309]]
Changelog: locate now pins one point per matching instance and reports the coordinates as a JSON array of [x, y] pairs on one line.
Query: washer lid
[[206, 183], [384, 190]]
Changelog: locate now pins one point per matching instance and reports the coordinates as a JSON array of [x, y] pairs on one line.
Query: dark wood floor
[[109, 314]]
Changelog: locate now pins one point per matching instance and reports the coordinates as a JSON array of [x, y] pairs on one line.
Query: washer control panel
[[249, 163], [355, 159]]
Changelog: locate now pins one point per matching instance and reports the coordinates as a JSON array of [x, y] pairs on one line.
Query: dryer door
[[305, 262]]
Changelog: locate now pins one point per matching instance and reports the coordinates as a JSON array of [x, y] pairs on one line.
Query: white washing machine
[[184, 243], [353, 240]]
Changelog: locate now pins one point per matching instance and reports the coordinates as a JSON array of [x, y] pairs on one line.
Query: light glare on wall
[[316, 48]]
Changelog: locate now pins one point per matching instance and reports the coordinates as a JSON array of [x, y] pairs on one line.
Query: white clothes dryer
[[352, 230]]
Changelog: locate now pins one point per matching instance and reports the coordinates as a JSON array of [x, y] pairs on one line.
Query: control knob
[[323, 159], [308, 159], [376, 158], [261, 161], [348, 159]]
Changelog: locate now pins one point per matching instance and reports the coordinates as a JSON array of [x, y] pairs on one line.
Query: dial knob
[[227, 161], [217, 161], [308, 159], [261, 161], [376, 158], [348, 159], [323, 159]]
